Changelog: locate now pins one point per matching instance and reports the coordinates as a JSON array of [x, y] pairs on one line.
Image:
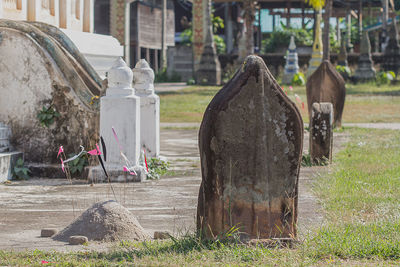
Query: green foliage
[[219, 44], [163, 77], [77, 165], [385, 77], [47, 115], [281, 38], [191, 82], [157, 167], [307, 162], [344, 71], [299, 79], [20, 172]]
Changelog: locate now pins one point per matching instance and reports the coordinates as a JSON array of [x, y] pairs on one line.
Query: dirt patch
[[105, 221]]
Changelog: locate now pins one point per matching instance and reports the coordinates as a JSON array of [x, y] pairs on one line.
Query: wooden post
[[288, 6], [338, 35], [138, 54], [326, 43], [164, 35], [360, 18], [228, 28], [88, 18], [377, 41], [156, 60], [127, 34], [259, 35], [348, 33], [273, 20], [385, 14], [302, 15], [147, 54]]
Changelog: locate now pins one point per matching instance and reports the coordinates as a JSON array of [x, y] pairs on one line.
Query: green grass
[[364, 103], [360, 197]]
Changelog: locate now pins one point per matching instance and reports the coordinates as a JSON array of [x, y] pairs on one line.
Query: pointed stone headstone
[[321, 132], [327, 85], [250, 141], [392, 52], [292, 63], [365, 70]]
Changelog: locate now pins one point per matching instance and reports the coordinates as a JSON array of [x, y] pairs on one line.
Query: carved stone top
[[143, 77], [120, 78], [292, 45]]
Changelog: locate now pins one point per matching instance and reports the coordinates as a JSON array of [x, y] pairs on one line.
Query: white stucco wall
[[25, 82], [100, 50]]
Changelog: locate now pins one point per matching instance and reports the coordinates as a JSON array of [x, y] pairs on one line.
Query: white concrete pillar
[[143, 82], [120, 108]]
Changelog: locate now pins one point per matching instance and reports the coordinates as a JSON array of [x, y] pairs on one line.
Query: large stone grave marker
[[321, 132], [250, 141], [327, 85]]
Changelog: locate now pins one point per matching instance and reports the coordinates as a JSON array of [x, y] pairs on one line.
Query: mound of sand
[[105, 221]]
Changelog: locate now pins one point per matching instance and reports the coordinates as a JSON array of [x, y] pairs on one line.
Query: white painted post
[[143, 82], [120, 108]]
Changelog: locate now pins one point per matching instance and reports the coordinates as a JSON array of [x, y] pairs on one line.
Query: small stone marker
[[78, 240], [250, 141], [365, 70], [119, 109], [48, 232], [143, 82], [321, 132], [161, 235], [327, 85]]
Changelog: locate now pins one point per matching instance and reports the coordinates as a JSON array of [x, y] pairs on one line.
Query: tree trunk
[[249, 15], [326, 43]]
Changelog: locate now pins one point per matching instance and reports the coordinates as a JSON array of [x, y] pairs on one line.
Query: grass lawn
[[364, 103], [360, 197]]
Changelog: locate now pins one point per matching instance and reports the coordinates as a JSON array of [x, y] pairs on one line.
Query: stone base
[[7, 163], [96, 175]]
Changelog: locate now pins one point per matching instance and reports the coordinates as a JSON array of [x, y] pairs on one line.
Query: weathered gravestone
[[250, 142], [321, 132], [327, 85]]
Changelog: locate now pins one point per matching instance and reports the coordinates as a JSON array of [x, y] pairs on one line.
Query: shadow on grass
[[372, 93], [200, 92]]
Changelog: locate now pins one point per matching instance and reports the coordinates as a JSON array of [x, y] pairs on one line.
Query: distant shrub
[[385, 77], [344, 71], [163, 77], [299, 79]]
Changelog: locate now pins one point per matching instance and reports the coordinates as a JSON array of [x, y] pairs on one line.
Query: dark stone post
[[321, 133]]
